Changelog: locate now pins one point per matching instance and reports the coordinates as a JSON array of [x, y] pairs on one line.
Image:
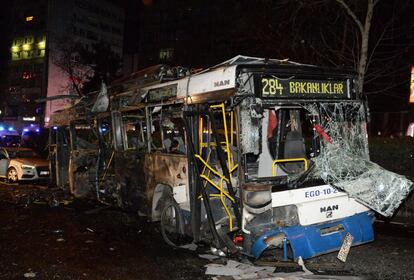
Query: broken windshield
[[321, 143], [344, 161]]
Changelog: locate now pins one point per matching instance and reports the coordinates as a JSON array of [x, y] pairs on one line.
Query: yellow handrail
[[208, 158], [200, 135], [211, 168], [219, 188], [226, 136], [207, 168], [276, 161], [222, 193]]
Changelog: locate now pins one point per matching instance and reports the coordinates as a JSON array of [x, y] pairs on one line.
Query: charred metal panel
[[82, 164], [131, 179], [166, 169], [250, 117], [250, 127], [62, 157]]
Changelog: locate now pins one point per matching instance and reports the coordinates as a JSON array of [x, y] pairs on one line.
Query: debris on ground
[[191, 247], [29, 275], [90, 230], [208, 257], [390, 257], [302, 265], [39, 195], [217, 252], [236, 270], [98, 209], [346, 246]]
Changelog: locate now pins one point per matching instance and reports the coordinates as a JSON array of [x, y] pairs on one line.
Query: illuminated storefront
[[412, 86]]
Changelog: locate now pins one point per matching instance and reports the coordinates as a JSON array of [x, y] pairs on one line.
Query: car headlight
[[24, 166]]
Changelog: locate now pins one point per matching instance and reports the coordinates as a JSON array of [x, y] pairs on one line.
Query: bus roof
[[141, 88]]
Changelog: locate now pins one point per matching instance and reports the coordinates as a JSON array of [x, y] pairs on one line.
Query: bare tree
[[364, 27], [371, 36], [87, 68], [68, 57]]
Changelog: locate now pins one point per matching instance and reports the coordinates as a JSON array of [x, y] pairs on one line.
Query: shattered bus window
[[345, 163], [156, 134], [136, 131], [85, 136], [173, 132]]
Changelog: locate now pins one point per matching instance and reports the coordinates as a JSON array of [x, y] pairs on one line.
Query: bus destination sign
[[274, 87]]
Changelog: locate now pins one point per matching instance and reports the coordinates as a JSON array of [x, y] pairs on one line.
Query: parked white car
[[410, 130], [22, 164]]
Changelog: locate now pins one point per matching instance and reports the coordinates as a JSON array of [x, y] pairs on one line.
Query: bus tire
[[172, 222]]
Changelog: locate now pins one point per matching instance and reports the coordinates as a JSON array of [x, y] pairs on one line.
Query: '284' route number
[[271, 86]]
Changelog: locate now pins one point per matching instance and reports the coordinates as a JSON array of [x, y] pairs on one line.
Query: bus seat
[[294, 148]]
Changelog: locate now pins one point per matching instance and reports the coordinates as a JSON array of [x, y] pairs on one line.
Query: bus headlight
[[257, 199], [257, 205]]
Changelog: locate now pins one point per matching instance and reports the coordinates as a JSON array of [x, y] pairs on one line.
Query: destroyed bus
[[251, 155]]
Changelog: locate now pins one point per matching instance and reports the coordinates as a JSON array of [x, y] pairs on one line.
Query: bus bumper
[[310, 241]]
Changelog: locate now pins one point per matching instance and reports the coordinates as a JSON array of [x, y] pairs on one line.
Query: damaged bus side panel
[[249, 155]]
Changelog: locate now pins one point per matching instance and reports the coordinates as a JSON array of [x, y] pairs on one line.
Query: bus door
[[83, 157], [212, 135], [130, 147], [165, 166]]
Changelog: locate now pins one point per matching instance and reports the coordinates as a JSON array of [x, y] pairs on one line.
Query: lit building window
[[29, 18], [166, 54], [16, 56], [26, 47], [412, 86], [15, 49], [41, 45]]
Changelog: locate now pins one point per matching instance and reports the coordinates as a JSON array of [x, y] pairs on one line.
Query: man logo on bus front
[[328, 210], [222, 83]]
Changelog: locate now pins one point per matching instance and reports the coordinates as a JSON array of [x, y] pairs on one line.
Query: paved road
[[72, 242], [80, 240]]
